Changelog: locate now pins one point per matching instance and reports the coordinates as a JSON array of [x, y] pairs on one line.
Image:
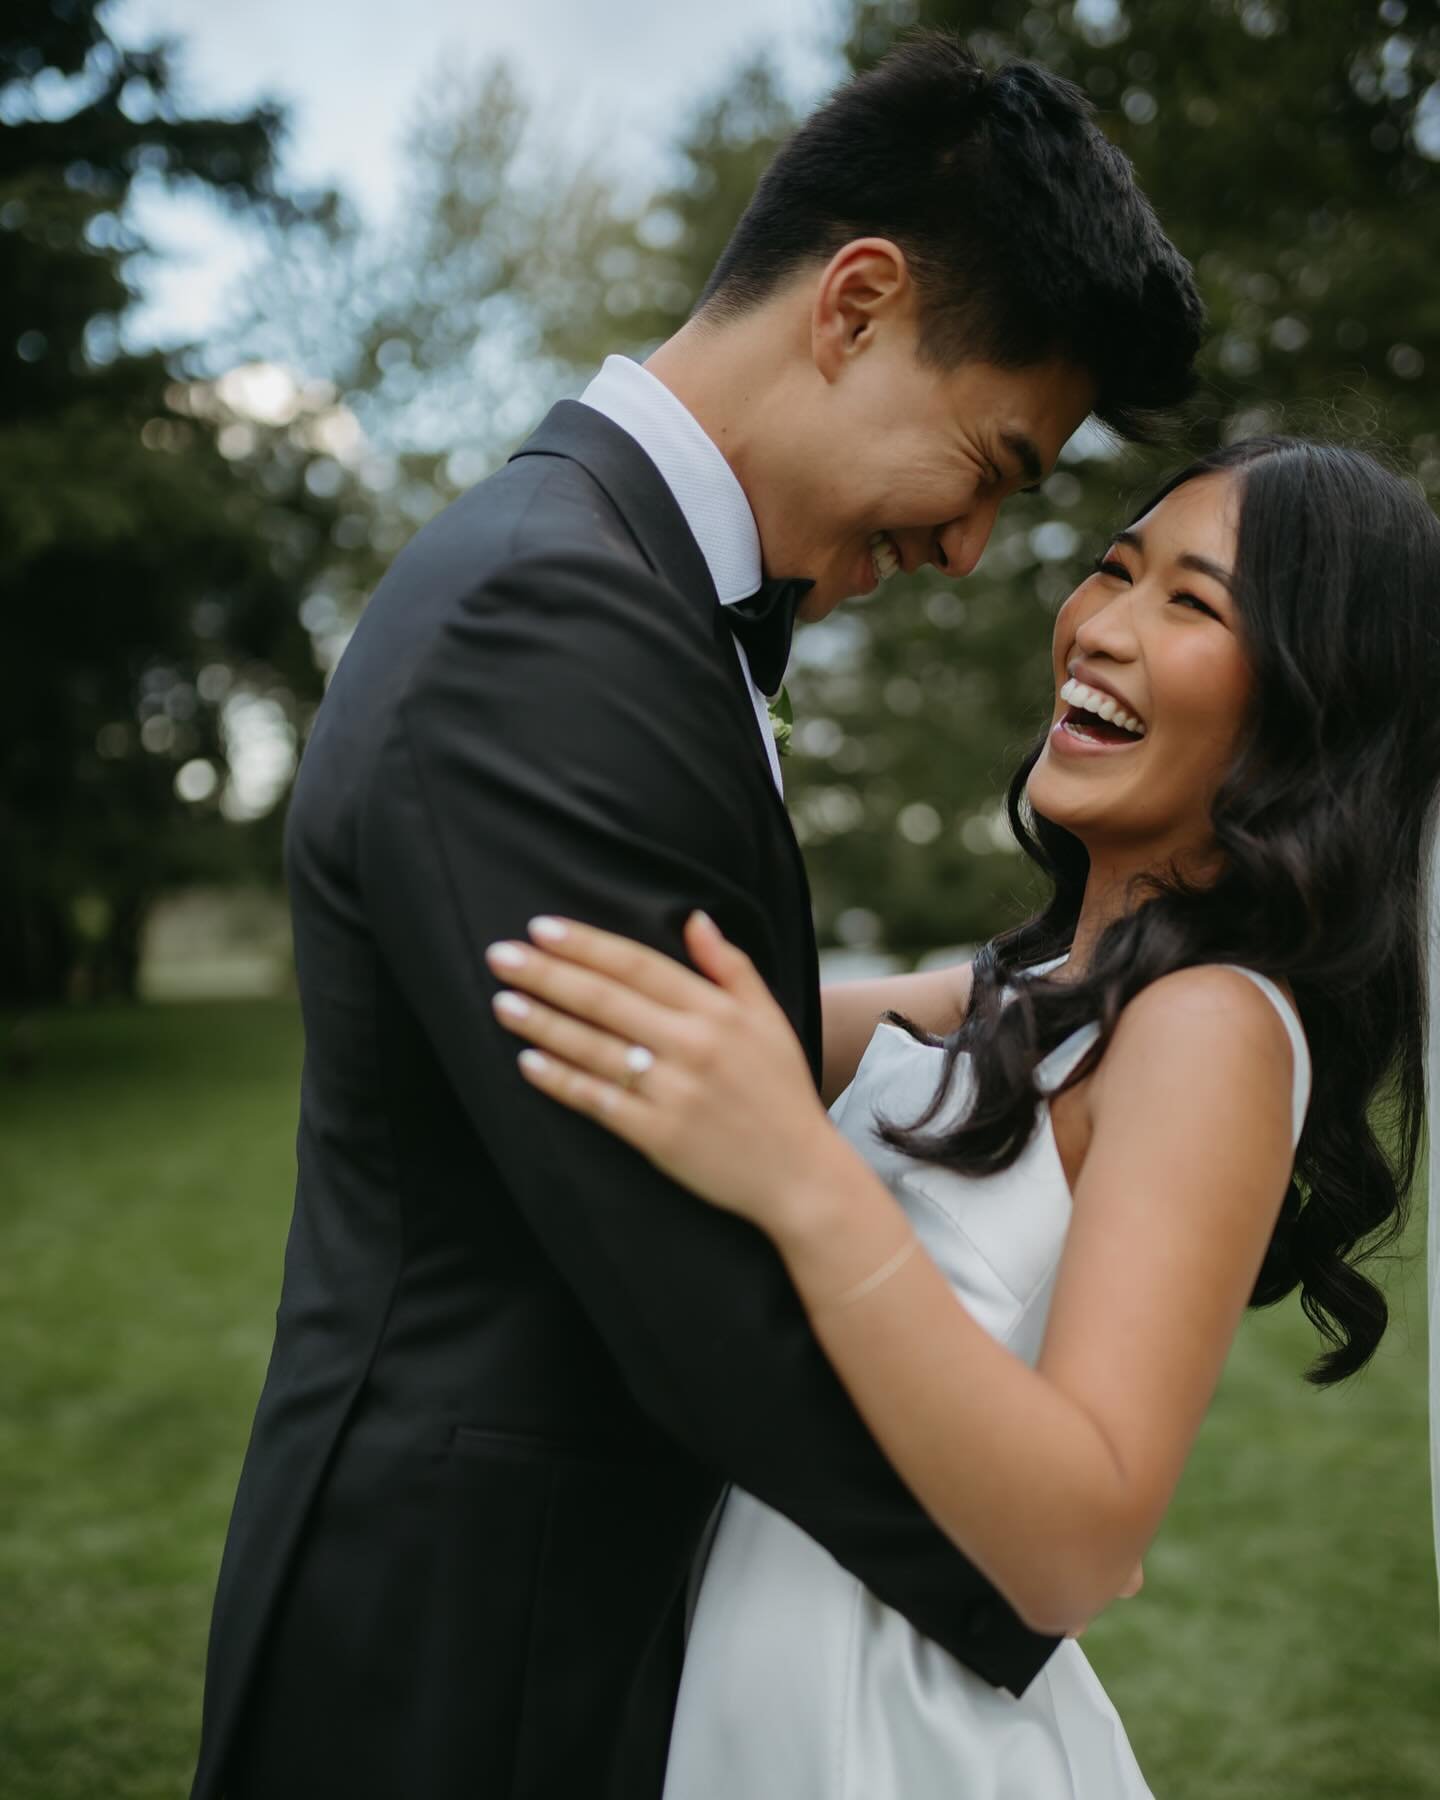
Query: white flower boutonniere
[[782, 721]]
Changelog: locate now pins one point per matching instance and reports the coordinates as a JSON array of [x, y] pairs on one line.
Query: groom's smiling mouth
[[885, 558]]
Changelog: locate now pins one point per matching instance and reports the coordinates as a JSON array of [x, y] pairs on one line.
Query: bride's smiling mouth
[[1095, 721]]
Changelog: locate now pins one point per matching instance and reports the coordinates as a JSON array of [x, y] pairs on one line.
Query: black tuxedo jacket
[[514, 1365]]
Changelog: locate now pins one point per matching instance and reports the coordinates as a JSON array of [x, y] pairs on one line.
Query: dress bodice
[[997, 1239]]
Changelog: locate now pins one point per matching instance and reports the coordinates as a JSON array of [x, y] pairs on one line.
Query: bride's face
[[1153, 639]]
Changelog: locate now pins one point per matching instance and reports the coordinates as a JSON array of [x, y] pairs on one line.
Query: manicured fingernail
[[508, 956], [549, 931], [705, 920], [533, 1062], [514, 1006]]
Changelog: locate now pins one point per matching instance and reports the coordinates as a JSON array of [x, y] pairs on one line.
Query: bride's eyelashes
[[1195, 601], [1109, 564]]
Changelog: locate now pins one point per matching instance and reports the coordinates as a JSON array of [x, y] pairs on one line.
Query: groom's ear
[[866, 283]]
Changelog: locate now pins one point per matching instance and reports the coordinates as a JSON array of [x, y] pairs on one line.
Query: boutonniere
[[782, 721]]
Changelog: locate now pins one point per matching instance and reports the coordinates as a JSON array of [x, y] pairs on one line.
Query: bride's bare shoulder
[[1211, 1018]]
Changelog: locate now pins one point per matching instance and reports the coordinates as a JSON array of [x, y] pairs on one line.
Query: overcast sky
[[353, 72]]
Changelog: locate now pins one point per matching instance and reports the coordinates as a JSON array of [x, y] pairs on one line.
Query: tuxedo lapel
[[636, 488], [652, 515]]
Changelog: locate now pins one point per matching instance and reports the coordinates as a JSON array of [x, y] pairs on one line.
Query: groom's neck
[[729, 377]]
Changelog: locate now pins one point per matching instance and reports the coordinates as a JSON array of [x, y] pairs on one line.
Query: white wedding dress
[[798, 1683]]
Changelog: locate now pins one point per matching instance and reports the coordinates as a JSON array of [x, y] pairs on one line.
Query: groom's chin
[[819, 603]]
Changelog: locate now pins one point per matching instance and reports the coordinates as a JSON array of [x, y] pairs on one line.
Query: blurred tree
[[154, 540], [508, 268], [721, 156]]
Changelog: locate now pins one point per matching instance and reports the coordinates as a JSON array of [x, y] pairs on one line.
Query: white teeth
[[882, 552], [1088, 699]]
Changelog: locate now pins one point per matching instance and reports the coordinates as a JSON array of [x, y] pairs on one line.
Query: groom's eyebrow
[[1028, 457]]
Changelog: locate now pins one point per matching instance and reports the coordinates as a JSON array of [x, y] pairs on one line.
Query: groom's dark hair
[[1025, 232]]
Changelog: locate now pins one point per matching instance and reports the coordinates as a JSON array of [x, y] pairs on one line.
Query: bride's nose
[[1110, 630]]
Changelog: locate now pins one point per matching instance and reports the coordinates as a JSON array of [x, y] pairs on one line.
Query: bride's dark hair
[[1322, 821]]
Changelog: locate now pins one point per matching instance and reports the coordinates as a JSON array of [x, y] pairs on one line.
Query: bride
[[1049, 1184]]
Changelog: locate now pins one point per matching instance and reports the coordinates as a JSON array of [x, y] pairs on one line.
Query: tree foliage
[[149, 566], [447, 328]]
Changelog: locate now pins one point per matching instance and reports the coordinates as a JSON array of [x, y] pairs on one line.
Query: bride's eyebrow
[[1203, 566], [1188, 560]]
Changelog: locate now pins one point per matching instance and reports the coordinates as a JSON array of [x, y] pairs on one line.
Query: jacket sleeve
[[570, 742]]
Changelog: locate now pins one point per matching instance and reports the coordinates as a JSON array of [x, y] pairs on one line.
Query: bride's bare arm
[[1054, 1479], [936, 1001]]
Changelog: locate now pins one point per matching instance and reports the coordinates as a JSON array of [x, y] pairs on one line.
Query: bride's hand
[[716, 1090]]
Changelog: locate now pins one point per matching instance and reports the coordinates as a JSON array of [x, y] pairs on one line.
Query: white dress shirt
[[705, 490]]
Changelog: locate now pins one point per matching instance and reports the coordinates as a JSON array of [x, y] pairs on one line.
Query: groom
[[513, 1366]]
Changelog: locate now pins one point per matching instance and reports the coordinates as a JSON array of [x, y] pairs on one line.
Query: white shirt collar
[[703, 483]]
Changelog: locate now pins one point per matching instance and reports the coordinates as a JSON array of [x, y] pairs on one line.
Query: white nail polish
[[534, 1062], [509, 956], [515, 1006], [550, 931]]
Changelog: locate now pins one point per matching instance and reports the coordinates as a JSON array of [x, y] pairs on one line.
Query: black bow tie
[[764, 625]]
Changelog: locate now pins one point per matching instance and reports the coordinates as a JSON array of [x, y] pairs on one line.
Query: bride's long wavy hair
[[1323, 823]]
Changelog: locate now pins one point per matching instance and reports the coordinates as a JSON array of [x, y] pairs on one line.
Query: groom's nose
[[959, 545]]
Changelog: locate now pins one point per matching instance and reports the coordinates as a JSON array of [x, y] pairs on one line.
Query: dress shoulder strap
[[1052, 1070], [1299, 1048]]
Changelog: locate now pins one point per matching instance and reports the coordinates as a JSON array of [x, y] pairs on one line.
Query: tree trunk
[[116, 962], [37, 951]]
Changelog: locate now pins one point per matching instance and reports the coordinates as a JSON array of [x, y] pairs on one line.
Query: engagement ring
[[638, 1061]]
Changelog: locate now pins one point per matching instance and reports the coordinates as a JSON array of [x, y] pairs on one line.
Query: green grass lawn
[[1285, 1647]]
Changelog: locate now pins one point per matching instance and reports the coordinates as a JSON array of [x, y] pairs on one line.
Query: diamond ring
[[638, 1061]]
